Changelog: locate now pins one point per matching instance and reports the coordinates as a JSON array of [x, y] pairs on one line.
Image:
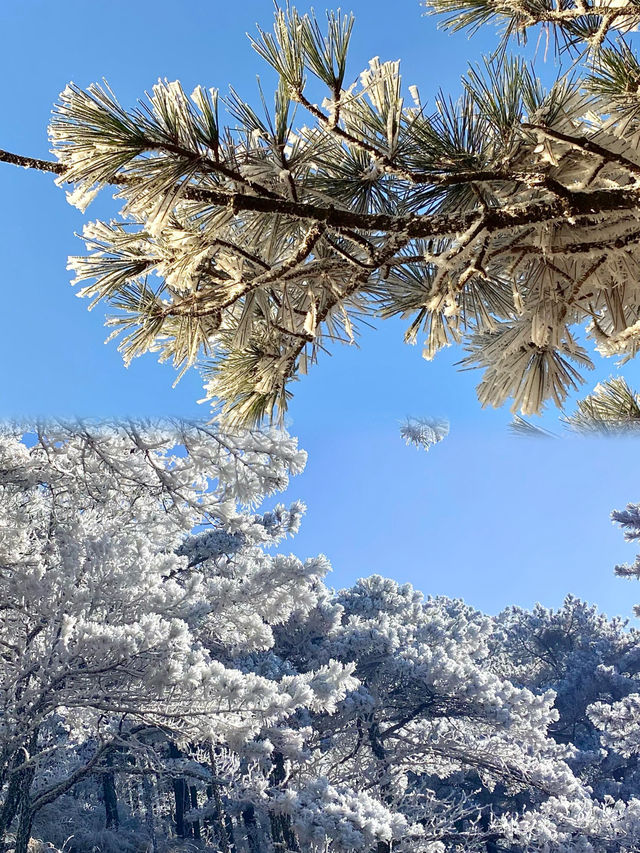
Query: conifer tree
[[132, 574], [500, 220]]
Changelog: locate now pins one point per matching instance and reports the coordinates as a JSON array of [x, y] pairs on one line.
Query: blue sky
[[483, 516]]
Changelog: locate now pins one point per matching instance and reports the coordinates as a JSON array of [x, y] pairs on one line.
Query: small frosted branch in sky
[[424, 432]]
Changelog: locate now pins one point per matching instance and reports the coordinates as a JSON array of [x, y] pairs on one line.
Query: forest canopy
[[170, 676]]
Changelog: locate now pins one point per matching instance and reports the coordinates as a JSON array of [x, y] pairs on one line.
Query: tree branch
[[583, 202]]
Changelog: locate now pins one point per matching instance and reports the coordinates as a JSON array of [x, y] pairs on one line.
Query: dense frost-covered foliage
[[167, 681], [500, 220], [117, 618]]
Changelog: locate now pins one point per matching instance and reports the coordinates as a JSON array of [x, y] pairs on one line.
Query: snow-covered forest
[[173, 678]]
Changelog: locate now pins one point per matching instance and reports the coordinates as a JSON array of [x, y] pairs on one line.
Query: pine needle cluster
[[500, 221]]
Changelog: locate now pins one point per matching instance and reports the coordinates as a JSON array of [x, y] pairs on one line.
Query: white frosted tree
[[585, 658], [160, 664], [439, 742], [130, 575], [593, 666]]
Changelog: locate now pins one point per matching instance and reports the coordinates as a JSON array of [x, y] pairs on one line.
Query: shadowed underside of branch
[[499, 221]]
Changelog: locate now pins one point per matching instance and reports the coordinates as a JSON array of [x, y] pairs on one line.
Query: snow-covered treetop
[[141, 604], [116, 605], [186, 464], [629, 520]]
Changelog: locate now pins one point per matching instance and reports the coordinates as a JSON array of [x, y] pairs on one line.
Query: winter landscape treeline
[[170, 679]]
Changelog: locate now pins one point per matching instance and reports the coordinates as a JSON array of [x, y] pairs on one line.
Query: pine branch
[[582, 143], [613, 408], [501, 220], [525, 429], [32, 163], [584, 203], [574, 21]]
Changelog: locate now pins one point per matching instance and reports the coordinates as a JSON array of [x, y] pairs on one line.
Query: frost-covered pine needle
[[424, 432], [523, 428], [612, 409]]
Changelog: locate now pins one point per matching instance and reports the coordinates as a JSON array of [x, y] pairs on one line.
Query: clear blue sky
[[483, 516]]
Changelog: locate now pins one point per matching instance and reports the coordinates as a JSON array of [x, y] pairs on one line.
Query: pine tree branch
[[272, 274], [582, 203], [435, 177], [582, 143], [53, 792], [542, 15], [612, 244], [32, 163], [351, 259], [242, 252], [334, 128], [213, 166], [521, 15], [464, 243]]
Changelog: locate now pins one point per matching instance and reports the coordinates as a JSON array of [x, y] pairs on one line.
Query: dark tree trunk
[[23, 835], [221, 822], [110, 800], [25, 821], [17, 796], [181, 796], [134, 796], [378, 749], [147, 795], [195, 826], [282, 833], [10, 807], [249, 818]]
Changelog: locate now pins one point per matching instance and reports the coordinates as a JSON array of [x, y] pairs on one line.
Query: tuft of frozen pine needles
[[424, 432], [612, 409], [521, 427]]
